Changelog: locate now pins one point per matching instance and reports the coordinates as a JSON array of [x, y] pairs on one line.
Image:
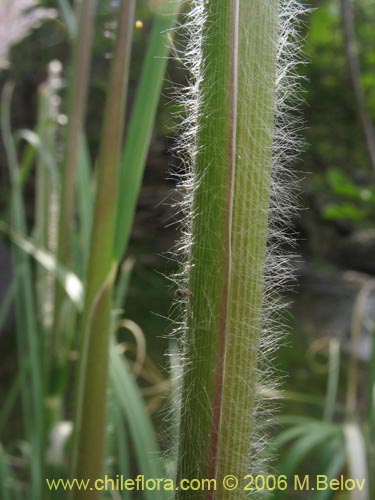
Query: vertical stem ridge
[[257, 48], [227, 264]]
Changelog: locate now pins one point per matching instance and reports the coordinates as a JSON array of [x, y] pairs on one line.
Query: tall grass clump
[[69, 282], [239, 138]]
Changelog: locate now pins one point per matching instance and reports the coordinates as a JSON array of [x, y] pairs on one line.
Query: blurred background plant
[[17, 19], [50, 253], [327, 423]]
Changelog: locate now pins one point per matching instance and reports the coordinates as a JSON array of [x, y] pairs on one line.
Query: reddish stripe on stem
[[217, 404]]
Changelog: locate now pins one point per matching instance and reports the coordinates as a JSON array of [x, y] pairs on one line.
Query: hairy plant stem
[[232, 172], [88, 445]]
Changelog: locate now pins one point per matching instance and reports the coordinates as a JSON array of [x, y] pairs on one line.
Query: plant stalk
[[231, 197], [88, 445], [77, 96]]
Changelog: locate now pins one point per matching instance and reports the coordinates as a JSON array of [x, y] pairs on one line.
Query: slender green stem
[[333, 380], [88, 446], [46, 197], [78, 86], [69, 17]]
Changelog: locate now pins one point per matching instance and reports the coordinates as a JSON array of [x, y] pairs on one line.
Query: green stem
[[78, 86], [46, 196], [232, 172], [88, 446]]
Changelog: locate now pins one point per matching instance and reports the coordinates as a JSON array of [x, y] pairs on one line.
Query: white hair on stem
[[285, 146]]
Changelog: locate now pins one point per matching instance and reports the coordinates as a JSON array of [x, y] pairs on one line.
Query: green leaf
[[344, 211], [85, 200], [341, 184], [68, 280], [141, 431], [332, 469], [140, 127], [69, 17], [302, 448], [33, 139]]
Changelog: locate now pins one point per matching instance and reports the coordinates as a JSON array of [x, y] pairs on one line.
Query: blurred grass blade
[[28, 333], [85, 197], [122, 446], [140, 427], [7, 302], [308, 399], [34, 140], [8, 486], [297, 419], [69, 18], [88, 444], [68, 280], [301, 430], [333, 379], [356, 459], [9, 402], [140, 127], [78, 88], [332, 470], [301, 449], [123, 283], [4, 476], [26, 165]]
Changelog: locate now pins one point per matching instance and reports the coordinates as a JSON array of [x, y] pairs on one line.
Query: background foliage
[[335, 231]]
